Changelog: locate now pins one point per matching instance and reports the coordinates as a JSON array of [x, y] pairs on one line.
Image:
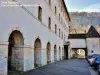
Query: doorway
[[59, 53], [37, 53], [55, 53], [48, 52], [65, 51], [15, 51]]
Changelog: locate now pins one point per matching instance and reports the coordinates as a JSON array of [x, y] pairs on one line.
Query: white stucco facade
[[77, 43], [25, 20]]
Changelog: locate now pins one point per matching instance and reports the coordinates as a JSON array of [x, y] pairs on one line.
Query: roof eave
[[66, 10]]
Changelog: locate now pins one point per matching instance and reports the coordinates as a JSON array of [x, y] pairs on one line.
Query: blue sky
[[83, 5]]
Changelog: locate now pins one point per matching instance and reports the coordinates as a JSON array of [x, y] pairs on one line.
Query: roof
[[77, 36], [92, 33], [66, 10]]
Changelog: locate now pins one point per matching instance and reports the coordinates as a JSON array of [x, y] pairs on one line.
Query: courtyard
[[65, 67]]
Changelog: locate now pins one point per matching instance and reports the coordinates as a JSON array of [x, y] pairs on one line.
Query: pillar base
[[3, 59]]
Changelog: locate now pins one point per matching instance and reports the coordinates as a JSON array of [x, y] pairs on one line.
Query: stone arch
[[48, 48], [59, 52], [81, 53], [37, 52], [55, 52], [78, 52], [15, 51]]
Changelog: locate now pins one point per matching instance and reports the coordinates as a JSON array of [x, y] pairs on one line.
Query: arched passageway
[[55, 53], [37, 52], [59, 52], [48, 52], [81, 53], [62, 52], [15, 51]]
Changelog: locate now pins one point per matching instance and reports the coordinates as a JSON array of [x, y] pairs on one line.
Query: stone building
[[89, 42], [32, 36], [93, 41], [77, 42]]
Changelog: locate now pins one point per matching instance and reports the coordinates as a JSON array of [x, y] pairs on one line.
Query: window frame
[[39, 13], [49, 22]]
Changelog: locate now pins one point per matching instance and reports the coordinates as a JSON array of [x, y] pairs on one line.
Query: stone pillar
[[57, 56], [61, 56], [52, 56], [28, 58], [17, 59], [3, 58], [69, 51], [43, 57]]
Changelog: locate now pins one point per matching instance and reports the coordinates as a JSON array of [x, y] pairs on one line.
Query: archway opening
[[62, 53], [55, 53], [65, 51], [15, 51], [48, 52], [59, 53], [80, 53], [37, 53]]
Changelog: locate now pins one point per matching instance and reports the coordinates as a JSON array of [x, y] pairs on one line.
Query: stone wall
[[3, 59], [93, 45], [25, 20]]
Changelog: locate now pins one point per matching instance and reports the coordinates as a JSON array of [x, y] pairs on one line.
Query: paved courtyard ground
[[66, 67]]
